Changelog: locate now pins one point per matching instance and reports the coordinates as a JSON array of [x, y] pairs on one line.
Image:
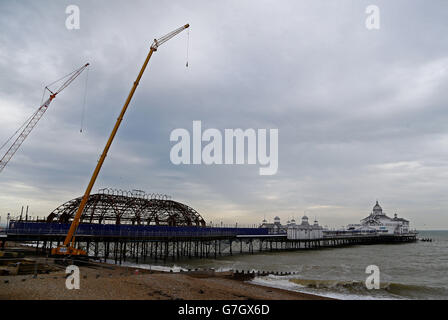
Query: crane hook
[[188, 45]]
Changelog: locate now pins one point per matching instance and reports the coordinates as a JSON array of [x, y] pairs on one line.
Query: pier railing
[[97, 230]]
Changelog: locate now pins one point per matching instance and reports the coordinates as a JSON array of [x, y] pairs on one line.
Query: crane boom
[[67, 248], [25, 132], [36, 117]]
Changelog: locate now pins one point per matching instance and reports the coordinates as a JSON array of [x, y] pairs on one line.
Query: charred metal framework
[[112, 206]]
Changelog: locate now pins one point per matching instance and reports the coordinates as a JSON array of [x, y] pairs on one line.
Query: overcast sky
[[361, 113]]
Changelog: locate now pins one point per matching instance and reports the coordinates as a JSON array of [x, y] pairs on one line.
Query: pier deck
[[121, 242]]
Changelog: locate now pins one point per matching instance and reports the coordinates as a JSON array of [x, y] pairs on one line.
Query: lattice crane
[[34, 119]]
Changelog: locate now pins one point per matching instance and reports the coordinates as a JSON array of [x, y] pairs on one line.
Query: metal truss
[[112, 206]]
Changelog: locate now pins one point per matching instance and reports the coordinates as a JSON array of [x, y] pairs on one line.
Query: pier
[[138, 243], [122, 225]]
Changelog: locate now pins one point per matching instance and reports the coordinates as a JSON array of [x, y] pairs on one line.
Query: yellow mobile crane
[[67, 248]]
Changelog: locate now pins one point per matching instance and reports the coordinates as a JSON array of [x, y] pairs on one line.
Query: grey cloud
[[354, 108]]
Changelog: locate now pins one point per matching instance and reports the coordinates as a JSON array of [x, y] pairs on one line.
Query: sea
[[417, 270]]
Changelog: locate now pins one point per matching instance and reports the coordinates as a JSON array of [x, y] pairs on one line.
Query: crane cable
[[84, 102], [71, 76], [42, 100], [188, 45]]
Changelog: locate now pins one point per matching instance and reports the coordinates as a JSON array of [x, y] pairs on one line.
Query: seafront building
[[304, 230], [379, 222], [274, 228]]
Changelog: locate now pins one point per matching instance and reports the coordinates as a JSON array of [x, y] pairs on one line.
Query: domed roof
[[377, 208], [122, 207], [305, 221]]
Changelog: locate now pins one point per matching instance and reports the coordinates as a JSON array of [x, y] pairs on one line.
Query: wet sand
[[109, 282]]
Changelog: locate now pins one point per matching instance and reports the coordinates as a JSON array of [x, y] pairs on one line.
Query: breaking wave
[[341, 289]]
